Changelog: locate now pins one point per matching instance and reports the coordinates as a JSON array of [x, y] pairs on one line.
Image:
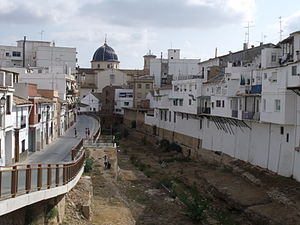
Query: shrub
[[164, 143], [174, 147], [133, 124], [88, 167]]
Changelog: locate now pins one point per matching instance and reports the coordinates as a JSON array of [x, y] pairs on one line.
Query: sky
[[133, 27]]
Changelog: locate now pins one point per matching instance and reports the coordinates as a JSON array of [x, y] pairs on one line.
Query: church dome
[[105, 53]]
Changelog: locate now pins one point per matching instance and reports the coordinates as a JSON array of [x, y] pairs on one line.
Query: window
[[161, 115], [165, 115], [23, 145], [147, 86], [170, 116], [223, 103], [98, 66], [174, 117], [187, 116], [265, 75], [287, 137], [181, 102], [273, 78], [8, 111], [212, 104], [126, 103], [273, 58], [112, 78], [182, 116], [281, 130], [218, 103], [190, 101], [16, 54], [277, 105], [83, 96], [240, 104], [200, 121], [139, 85], [294, 70], [264, 105], [7, 54]]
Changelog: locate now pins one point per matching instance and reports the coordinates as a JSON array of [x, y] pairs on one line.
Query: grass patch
[[176, 159], [137, 195]]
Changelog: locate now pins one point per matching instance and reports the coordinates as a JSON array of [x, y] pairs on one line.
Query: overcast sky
[[133, 27]]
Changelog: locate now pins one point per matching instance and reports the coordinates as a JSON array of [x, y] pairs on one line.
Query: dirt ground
[[147, 185]]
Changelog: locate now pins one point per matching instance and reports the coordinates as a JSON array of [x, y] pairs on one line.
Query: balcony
[[203, 110], [250, 115], [256, 89], [234, 114]]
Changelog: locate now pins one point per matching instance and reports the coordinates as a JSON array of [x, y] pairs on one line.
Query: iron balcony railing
[[250, 115], [203, 110]]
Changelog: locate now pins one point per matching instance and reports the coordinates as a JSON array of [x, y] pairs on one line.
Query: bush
[[174, 147], [164, 143], [88, 167], [133, 124]]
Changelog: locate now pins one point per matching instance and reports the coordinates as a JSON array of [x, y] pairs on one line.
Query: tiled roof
[[21, 101], [44, 100]]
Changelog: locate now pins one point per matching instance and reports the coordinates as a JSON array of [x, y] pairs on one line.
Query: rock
[[86, 211]]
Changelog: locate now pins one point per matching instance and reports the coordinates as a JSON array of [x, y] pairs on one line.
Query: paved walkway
[[60, 149]]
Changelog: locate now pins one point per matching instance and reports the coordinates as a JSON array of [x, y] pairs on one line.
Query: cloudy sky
[[133, 27]]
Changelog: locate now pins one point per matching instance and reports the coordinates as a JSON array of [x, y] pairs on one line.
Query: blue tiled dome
[[105, 53]]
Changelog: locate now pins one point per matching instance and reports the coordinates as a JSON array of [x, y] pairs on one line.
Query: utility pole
[[247, 34], [41, 33]]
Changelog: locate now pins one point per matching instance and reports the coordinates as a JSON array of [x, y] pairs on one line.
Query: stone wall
[[49, 211]]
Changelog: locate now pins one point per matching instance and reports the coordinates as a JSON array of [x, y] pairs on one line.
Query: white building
[[6, 116], [165, 70], [91, 103], [248, 108], [21, 111], [37, 54], [123, 99]]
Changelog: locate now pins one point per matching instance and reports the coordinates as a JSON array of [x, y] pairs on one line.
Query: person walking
[[88, 132], [105, 161], [75, 132]]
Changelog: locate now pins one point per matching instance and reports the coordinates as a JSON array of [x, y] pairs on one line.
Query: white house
[[91, 103], [37, 54], [164, 70], [7, 144], [123, 99], [21, 111]]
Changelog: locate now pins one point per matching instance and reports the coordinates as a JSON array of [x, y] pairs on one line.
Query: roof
[[61, 101], [97, 95], [215, 79], [44, 100], [82, 105], [105, 53], [21, 101]]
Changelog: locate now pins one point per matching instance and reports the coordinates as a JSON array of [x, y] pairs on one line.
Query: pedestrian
[[88, 132], [108, 165], [105, 161], [75, 132]]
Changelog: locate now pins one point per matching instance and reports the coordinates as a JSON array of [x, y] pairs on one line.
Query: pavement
[[59, 150]]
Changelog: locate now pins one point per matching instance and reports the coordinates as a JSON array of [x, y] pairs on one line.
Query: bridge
[[50, 172]]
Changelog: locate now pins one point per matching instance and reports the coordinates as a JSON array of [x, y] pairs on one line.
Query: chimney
[[216, 52], [24, 51]]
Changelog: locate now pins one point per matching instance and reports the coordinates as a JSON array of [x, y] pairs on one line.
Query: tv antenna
[[280, 28], [41, 33], [247, 34]]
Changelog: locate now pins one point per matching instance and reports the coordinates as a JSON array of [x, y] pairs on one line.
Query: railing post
[[0, 182], [72, 151], [39, 177], [65, 174], [28, 179], [57, 175], [14, 181], [49, 176]]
